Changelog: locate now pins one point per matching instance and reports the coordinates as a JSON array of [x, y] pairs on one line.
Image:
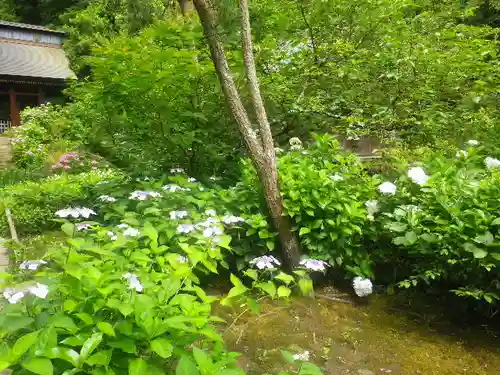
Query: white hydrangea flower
[[473, 142], [31, 265], [76, 212], [82, 226], [294, 141], [231, 219], [182, 259], [178, 214], [39, 290], [387, 188], [211, 221], [265, 261], [13, 296], [314, 264], [139, 195], [336, 177], [210, 212], [177, 170], [417, 175], [296, 148], [112, 236], [362, 287], [123, 226], [302, 356], [185, 228], [153, 194], [191, 179], [131, 232], [371, 207], [461, 154], [212, 231], [86, 212], [173, 188], [491, 163], [107, 198], [133, 281]]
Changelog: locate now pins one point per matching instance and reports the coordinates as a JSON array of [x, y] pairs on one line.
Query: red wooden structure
[[33, 69]]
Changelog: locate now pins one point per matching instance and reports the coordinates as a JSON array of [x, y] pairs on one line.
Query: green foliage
[[33, 203], [445, 229], [178, 120], [123, 293], [324, 191]]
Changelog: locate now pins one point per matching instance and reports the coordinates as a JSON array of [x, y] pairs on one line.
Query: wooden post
[[14, 112], [41, 97], [12, 227]]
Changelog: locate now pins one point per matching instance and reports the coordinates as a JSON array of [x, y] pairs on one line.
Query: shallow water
[[359, 339]]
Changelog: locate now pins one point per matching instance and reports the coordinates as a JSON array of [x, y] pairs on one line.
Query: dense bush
[[124, 294], [33, 203], [443, 222]]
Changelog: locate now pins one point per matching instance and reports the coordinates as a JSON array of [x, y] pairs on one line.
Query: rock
[[365, 372]]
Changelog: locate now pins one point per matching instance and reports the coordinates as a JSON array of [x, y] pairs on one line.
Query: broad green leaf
[[270, 245], [4, 365], [68, 355], [64, 321], [411, 238], [284, 292], [306, 286], [496, 221], [22, 345], [106, 328], [100, 358], [162, 347], [286, 278], [186, 366], [68, 229], [42, 366], [308, 368], [267, 287], [287, 356], [253, 274], [137, 366], [90, 345], [125, 344], [203, 360], [480, 253], [84, 317], [304, 230]]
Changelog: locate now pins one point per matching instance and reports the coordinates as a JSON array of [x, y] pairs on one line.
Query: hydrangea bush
[[442, 218], [124, 294]]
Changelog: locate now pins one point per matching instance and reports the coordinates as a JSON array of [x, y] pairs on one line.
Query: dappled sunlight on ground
[[357, 338]]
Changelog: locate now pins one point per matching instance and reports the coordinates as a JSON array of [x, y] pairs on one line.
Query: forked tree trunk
[[260, 147]]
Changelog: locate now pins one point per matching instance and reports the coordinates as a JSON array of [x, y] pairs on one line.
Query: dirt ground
[[357, 338]]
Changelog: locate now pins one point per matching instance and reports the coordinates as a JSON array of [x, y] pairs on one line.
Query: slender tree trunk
[[261, 148]]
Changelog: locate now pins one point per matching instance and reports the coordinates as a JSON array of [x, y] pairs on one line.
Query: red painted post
[[14, 112], [41, 97]]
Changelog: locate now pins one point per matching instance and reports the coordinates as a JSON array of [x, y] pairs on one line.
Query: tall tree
[[259, 143]]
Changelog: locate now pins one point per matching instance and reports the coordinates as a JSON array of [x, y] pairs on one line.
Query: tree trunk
[[260, 148]]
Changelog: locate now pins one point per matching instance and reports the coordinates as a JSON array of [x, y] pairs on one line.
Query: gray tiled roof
[[33, 61], [28, 26]]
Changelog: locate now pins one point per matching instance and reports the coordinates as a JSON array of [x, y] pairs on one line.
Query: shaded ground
[[358, 339]]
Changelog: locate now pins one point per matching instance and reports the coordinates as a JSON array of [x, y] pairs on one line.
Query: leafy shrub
[[124, 294], [324, 191], [443, 224], [33, 203]]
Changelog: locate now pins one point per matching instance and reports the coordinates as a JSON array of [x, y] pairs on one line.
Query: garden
[[166, 219]]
